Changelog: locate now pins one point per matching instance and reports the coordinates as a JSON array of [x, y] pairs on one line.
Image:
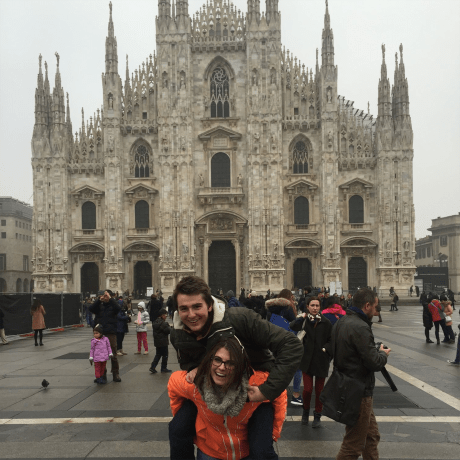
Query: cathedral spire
[[111, 55], [253, 11], [68, 121], [327, 48], [271, 8], [384, 97], [57, 78]]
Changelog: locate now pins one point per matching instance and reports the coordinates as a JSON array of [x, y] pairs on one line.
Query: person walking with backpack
[[315, 362]]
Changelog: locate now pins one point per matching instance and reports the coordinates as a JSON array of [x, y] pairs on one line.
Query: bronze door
[[89, 278], [222, 266], [302, 273], [357, 274]]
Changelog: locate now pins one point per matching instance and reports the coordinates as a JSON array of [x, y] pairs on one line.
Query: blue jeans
[[297, 381], [260, 430]]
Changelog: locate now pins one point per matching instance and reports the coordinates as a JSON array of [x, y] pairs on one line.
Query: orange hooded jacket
[[222, 436]]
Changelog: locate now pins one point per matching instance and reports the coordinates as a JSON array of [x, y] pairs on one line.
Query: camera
[[378, 344]]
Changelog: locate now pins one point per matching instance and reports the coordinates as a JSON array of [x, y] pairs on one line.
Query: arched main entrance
[[357, 273], [142, 277], [302, 273], [89, 278], [222, 266]]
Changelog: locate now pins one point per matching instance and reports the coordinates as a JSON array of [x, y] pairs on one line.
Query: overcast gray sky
[[76, 29]]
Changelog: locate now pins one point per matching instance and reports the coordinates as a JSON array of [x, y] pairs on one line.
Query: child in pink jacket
[[100, 353]]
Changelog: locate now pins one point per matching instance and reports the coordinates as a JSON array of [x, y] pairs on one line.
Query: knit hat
[[98, 328], [141, 305], [162, 312], [230, 294]]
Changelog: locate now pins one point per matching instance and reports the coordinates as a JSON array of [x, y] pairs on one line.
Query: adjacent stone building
[[223, 156], [442, 248], [15, 245]]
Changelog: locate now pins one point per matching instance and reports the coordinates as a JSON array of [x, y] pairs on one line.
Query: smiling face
[[313, 307], [223, 373], [193, 311]]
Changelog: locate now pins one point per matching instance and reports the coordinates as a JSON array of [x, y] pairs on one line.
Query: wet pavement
[[76, 419]]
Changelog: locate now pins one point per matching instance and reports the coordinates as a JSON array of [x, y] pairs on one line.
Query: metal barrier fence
[[61, 310]]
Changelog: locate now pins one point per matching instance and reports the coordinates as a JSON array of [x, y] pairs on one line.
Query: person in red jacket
[[220, 393]]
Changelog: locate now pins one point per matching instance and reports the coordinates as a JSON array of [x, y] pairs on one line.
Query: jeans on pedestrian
[[182, 432], [362, 438], [89, 319], [450, 332], [297, 381], [260, 431], [160, 352], [441, 323], [120, 337], [308, 390]]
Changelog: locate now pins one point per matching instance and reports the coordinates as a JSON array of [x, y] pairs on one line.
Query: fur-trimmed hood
[[279, 302], [218, 308]]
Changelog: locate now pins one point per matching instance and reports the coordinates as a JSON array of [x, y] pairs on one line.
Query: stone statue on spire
[[57, 57], [40, 60], [401, 50], [110, 6], [383, 50]]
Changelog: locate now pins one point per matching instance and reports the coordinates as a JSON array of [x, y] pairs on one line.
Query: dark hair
[[330, 301], [192, 285], [364, 296], [442, 297], [287, 294], [37, 303], [313, 297], [237, 354]]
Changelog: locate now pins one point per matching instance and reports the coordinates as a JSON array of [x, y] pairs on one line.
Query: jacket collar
[[358, 312], [218, 309]]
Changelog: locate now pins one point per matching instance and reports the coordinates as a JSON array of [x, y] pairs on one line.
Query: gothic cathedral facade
[[223, 156]]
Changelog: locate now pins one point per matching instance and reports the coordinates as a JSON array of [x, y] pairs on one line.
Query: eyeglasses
[[217, 361]]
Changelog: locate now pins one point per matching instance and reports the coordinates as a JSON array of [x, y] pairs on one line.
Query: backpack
[[396, 298], [278, 320]]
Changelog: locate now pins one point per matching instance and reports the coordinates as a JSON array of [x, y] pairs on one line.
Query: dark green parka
[[270, 348]]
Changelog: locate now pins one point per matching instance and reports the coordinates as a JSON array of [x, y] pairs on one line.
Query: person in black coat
[[154, 307], [427, 320], [122, 329], [106, 310], [161, 331], [315, 361]]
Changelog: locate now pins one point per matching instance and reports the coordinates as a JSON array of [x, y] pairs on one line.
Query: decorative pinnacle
[[46, 67], [57, 57], [396, 59], [110, 6], [383, 51], [40, 61], [401, 51]]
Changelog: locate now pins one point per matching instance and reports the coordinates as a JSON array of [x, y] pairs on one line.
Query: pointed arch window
[[301, 211], [141, 162], [356, 210], [220, 94], [142, 214], [300, 158], [88, 216]]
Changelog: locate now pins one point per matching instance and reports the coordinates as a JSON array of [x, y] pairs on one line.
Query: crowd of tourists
[[238, 357]]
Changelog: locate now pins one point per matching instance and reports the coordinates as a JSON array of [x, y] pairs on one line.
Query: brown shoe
[[116, 378]]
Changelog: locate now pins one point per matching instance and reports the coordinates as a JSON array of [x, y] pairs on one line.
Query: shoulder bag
[[302, 332]]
